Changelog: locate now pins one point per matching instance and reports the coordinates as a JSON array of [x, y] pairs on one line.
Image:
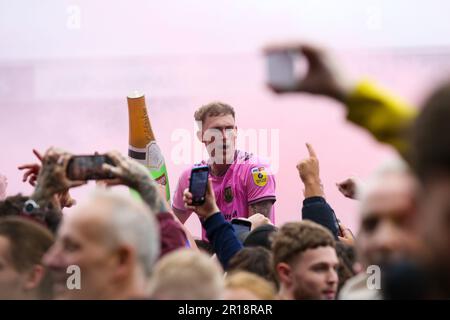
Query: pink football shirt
[[248, 180]]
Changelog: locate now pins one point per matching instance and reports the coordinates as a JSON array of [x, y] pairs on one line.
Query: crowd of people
[[116, 246]]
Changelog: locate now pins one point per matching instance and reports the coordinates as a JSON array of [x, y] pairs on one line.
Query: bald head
[[389, 192], [114, 220], [113, 239], [388, 210]]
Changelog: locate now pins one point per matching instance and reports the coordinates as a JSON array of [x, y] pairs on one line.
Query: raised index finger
[[311, 151]]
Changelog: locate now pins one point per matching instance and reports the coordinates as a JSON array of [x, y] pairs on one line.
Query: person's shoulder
[[250, 160], [188, 169], [186, 172]]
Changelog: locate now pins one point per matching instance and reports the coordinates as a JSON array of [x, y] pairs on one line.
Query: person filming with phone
[[219, 231]]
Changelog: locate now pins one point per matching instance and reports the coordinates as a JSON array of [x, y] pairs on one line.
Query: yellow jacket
[[385, 116]]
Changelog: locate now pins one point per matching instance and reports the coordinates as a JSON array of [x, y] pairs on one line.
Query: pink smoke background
[[67, 66]]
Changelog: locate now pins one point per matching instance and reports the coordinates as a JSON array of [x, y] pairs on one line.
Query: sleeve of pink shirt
[[257, 189], [183, 183]]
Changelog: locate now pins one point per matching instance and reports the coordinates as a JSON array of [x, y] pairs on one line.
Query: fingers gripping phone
[[88, 168], [198, 184]]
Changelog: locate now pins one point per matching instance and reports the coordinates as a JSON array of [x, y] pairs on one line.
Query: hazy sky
[[61, 28]]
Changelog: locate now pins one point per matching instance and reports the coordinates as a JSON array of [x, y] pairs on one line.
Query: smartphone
[[285, 69], [198, 184], [88, 168], [240, 225]]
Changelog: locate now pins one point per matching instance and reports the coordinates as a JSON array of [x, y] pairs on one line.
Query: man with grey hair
[[105, 249]]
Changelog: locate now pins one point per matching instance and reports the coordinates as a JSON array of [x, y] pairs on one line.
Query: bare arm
[[130, 173], [264, 207]]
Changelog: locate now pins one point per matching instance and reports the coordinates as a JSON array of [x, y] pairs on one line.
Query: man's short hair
[[13, 206], [261, 236], [28, 243], [257, 260], [296, 237], [213, 109], [431, 141], [205, 246], [347, 258], [260, 287], [187, 274]]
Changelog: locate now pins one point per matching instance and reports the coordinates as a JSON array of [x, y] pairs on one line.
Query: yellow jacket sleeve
[[385, 116]]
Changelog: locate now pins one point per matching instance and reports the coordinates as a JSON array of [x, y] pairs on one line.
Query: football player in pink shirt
[[243, 184]]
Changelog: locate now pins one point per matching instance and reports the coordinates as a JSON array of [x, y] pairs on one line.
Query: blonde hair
[[187, 274], [213, 109], [260, 287]]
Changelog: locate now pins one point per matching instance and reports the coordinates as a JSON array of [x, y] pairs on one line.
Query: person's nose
[[332, 277], [53, 258], [385, 238]]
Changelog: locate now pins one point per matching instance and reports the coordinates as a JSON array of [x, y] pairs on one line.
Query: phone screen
[[281, 69], [285, 69], [88, 168], [241, 227], [198, 184]]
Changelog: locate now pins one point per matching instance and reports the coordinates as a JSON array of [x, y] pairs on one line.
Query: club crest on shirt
[[228, 194], [259, 176]]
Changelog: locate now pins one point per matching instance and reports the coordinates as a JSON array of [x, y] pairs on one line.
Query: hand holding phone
[[198, 184], [302, 67], [88, 167], [199, 197], [346, 235], [52, 178]]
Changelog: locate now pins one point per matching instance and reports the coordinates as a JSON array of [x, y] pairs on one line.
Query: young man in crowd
[[22, 246], [305, 261]]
